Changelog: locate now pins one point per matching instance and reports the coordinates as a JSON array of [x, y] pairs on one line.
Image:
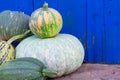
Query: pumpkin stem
[[45, 6], [18, 37], [49, 73]]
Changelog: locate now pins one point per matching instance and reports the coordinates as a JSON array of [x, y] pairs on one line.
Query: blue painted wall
[[96, 23]]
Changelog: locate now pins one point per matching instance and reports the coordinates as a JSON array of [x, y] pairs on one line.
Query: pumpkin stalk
[[18, 37], [45, 6], [48, 73]]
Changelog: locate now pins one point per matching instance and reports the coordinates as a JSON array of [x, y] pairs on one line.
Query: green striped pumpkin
[[7, 51], [45, 22], [63, 53]]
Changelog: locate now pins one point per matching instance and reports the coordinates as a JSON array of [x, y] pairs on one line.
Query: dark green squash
[[24, 69], [12, 23], [7, 50]]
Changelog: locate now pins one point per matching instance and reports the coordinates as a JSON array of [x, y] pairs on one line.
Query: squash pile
[[47, 49]]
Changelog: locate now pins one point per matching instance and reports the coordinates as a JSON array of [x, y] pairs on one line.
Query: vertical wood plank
[[17, 5], [8, 5], [51, 3], [112, 30], [25, 6], [95, 30]]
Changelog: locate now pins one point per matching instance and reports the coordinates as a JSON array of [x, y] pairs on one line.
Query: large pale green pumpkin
[[13, 23], [63, 53]]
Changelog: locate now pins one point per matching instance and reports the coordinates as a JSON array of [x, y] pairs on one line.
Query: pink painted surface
[[94, 72]]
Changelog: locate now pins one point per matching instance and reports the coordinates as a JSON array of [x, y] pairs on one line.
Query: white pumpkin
[[63, 53]]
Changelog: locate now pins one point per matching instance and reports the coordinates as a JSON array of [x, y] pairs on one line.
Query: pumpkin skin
[[7, 51], [45, 22], [63, 53], [24, 69], [12, 23]]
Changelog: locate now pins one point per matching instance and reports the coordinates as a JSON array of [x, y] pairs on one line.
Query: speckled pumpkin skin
[[63, 53], [13, 23], [7, 52], [47, 23]]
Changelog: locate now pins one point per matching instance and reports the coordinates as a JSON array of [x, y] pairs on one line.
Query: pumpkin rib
[[40, 21], [34, 29], [66, 69], [57, 15], [68, 43], [28, 59], [39, 28], [64, 55], [45, 24], [54, 22], [72, 47]]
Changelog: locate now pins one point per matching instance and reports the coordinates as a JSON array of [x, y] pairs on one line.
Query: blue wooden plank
[[25, 5], [51, 3], [112, 30], [95, 30], [74, 19], [17, 5], [8, 5]]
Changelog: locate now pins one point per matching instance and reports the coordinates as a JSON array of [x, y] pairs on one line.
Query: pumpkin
[[63, 53], [12, 23], [24, 69], [45, 22], [7, 51]]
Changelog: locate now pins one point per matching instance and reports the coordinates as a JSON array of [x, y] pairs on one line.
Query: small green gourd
[[45, 22], [7, 50], [24, 69]]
